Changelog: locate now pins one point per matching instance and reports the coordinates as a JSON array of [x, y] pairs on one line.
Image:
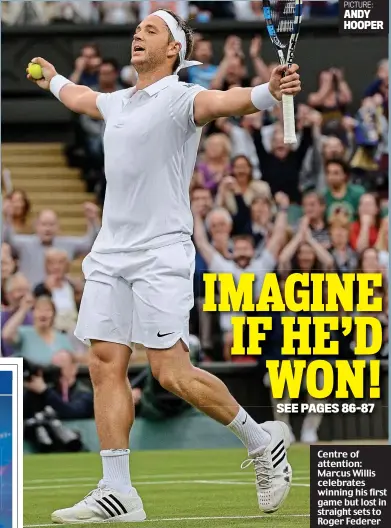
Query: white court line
[[153, 476], [181, 519], [162, 482]]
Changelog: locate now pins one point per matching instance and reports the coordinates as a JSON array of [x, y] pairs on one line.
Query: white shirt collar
[[154, 88]]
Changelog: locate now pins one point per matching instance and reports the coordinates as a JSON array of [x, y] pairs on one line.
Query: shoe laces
[[96, 494], [263, 470]]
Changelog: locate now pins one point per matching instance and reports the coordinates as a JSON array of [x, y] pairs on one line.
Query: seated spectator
[[118, 12], [41, 341], [20, 207], [60, 289], [380, 84], [314, 208], [86, 70], [206, 72], [382, 246], [364, 232], [17, 293], [215, 161], [345, 258], [331, 99], [240, 183], [69, 398], [303, 254], [368, 261], [341, 195], [8, 268], [31, 248]]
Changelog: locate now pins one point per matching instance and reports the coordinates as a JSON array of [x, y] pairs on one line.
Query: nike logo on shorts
[[164, 335]]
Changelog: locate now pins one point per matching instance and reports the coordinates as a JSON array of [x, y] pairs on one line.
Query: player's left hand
[[285, 81]]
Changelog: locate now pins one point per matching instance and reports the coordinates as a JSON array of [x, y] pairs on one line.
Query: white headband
[[179, 36]]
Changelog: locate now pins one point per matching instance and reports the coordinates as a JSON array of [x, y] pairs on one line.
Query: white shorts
[[141, 297]]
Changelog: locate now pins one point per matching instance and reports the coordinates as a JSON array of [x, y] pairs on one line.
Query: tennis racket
[[283, 19]]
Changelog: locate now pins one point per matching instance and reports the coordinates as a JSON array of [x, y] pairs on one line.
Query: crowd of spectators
[[89, 12], [259, 205]]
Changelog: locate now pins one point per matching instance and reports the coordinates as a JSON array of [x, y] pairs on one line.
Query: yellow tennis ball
[[35, 71]]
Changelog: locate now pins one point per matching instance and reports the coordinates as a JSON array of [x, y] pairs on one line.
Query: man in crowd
[[31, 248]]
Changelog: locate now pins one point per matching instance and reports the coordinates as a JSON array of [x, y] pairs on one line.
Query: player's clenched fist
[[48, 72], [285, 80]]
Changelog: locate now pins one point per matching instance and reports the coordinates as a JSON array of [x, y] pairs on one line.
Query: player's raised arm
[[79, 99], [212, 104]]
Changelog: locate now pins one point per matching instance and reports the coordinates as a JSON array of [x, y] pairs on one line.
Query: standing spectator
[[314, 208], [232, 69], [365, 230], [41, 341], [19, 303], [31, 248], [206, 72], [86, 70], [281, 167], [345, 258], [368, 261], [341, 195], [331, 99], [256, 220], [59, 288], [216, 161]]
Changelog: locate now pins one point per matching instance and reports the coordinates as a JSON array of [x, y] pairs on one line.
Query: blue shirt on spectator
[[202, 75], [30, 345]]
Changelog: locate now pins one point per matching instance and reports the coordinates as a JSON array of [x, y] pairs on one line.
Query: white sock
[[116, 474], [251, 434]]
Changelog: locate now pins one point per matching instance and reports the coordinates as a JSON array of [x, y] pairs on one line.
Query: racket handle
[[288, 110]]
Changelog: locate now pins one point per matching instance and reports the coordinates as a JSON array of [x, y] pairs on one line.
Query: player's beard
[[152, 62]]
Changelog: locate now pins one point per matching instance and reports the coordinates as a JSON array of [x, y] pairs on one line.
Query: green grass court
[[179, 488]]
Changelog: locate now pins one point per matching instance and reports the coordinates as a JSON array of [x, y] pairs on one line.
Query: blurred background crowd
[[89, 12], [259, 205]]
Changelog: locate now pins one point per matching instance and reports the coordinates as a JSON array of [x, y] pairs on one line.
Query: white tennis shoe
[[103, 505], [272, 470]]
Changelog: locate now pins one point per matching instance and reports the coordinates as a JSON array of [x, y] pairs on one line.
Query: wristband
[[57, 83], [261, 97]]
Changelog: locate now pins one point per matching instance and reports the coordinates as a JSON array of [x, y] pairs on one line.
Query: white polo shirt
[[150, 146]]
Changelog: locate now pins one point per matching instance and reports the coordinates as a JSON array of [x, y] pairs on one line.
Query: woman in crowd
[[41, 341], [303, 254], [364, 232], [241, 183], [215, 163], [60, 289], [19, 204], [345, 258]]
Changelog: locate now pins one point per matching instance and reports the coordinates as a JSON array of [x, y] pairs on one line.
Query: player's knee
[[108, 363]]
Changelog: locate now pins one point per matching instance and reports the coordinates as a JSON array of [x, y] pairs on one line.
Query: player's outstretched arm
[[212, 104], [79, 99]]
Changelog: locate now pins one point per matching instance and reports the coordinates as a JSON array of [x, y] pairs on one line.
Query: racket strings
[[283, 15]]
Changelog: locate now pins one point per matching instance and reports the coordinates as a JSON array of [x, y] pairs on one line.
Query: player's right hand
[[48, 71]]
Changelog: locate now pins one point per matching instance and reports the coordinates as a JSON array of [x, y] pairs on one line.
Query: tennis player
[[139, 274]]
